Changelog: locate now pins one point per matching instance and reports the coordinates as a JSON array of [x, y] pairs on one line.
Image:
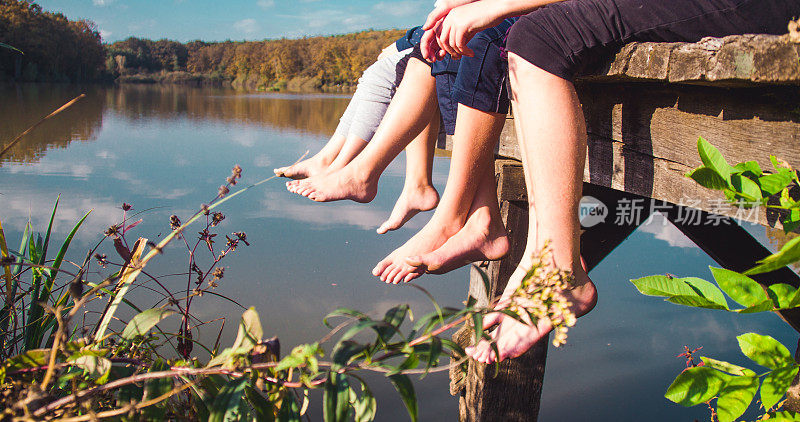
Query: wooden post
[[514, 393]]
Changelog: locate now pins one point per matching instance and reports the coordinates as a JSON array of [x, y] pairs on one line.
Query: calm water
[[165, 150]]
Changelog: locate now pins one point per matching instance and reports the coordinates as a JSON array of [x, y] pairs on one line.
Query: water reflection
[[166, 149], [23, 105]]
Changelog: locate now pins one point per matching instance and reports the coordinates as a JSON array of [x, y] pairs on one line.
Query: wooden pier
[[644, 111]]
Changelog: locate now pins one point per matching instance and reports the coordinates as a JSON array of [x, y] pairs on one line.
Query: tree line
[[55, 48], [58, 49]]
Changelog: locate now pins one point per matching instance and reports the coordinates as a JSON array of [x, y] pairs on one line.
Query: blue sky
[[186, 20]]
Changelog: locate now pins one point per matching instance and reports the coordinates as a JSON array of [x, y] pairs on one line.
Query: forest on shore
[[53, 48]]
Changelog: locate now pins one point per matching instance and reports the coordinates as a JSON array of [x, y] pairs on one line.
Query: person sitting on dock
[[376, 88], [547, 48], [466, 225]]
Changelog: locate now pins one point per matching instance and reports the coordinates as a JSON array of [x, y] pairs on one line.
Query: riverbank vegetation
[[48, 46], [52, 48]]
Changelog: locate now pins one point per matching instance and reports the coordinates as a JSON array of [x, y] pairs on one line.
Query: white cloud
[[55, 168], [265, 4], [106, 154], [262, 161], [666, 231], [105, 34], [102, 3], [247, 26]]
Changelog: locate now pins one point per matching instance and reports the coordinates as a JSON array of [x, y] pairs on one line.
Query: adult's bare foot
[[515, 338], [412, 200], [482, 238], [308, 167], [348, 183], [394, 269]]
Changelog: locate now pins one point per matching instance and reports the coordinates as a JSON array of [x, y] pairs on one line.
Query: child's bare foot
[[394, 269], [482, 238], [515, 338], [411, 201], [347, 183]]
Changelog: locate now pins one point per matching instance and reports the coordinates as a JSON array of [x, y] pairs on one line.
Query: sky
[[219, 20]]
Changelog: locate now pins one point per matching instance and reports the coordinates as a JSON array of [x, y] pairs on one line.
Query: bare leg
[[352, 147], [473, 146], [552, 135], [407, 116], [316, 164], [418, 192]]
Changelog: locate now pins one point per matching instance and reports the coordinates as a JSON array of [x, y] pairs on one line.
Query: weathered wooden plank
[[643, 138]]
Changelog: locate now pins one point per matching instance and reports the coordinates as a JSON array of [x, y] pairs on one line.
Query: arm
[[454, 22]]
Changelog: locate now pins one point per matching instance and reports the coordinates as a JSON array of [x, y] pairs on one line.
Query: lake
[[166, 149]]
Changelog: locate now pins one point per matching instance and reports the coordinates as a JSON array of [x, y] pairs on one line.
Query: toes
[[381, 267], [492, 319]]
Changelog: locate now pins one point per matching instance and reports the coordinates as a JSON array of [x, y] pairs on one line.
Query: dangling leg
[[418, 192], [552, 136], [475, 135], [408, 114]]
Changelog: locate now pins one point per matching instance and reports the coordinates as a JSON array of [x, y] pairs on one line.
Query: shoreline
[[244, 83]]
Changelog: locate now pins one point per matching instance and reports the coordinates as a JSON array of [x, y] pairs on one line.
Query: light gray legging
[[374, 92]]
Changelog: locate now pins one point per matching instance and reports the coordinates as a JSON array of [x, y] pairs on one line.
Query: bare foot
[[394, 269], [515, 338], [482, 238], [411, 201], [347, 183], [306, 168]]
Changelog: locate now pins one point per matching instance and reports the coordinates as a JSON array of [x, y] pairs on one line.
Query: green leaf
[[264, 409], [776, 384], [142, 323], [344, 351], [477, 322], [403, 386], [689, 291], [774, 183], [746, 188], [95, 367], [695, 302], [784, 416], [156, 388], [749, 166], [741, 288], [226, 406], [695, 385], [713, 159], [249, 334], [789, 253], [344, 312], [3, 45], [727, 367], [433, 355], [765, 350], [289, 411], [336, 398], [365, 405], [764, 306], [394, 318], [736, 397], [782, 295], [708, 178]]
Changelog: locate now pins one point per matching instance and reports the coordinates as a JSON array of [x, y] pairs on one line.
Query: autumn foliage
[[55, 48]]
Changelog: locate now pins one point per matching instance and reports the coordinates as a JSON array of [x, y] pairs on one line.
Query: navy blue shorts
[[567, 37], [478, 82]]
